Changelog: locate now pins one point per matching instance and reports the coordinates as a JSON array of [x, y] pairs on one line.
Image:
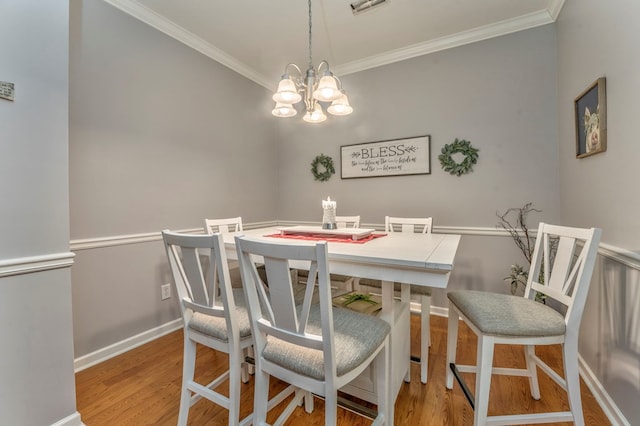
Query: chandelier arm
[[297, 76], [327, 70], [308, 83]]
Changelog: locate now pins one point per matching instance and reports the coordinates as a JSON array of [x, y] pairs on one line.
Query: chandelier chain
[[310, 56], [313, 87]]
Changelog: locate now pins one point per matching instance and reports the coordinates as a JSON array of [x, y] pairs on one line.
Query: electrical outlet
[[165, 291]]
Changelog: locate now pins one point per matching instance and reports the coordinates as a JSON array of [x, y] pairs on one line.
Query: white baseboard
[[605, 402], [71, 420], [123, 346]]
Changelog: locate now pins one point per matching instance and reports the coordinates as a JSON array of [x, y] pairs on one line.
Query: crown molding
[[555, 6], [170, 28], [455, 40]]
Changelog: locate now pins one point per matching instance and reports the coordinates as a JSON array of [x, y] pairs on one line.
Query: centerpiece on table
[[329, 214]]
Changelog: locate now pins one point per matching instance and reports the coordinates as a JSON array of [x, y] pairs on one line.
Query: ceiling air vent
[[360, 6]]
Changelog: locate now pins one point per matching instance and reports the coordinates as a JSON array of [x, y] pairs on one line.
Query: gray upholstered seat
[[562, 263], [357, 336], [506, 315], [315, 347], [216, 327]]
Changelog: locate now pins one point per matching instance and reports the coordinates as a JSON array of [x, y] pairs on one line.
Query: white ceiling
[[257, 38]]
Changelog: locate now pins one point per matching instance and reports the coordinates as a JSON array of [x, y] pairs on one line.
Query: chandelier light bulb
[[294, 86], [327, 90], [287, 92], [284, 110], [340, 106], [315, 116]]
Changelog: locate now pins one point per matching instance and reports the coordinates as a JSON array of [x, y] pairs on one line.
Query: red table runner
[[324, 237]]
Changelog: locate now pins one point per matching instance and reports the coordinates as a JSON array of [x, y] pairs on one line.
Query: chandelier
[[294, 86]]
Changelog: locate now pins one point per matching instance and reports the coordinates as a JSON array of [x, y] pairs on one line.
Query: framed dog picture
[[591, 120]]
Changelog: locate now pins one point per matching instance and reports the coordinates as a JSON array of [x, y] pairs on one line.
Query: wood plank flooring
[[142, 387]]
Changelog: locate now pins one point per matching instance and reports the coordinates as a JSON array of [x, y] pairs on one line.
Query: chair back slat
[[308, 293], [562, 263], [184, 252], [194, 276], [222, 226], [564, 257], [231, 224], [281, 293], [408, 224], [288, 321]]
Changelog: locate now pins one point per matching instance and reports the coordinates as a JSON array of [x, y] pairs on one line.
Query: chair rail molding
[[121, 240], [27, 265], [619, 254]]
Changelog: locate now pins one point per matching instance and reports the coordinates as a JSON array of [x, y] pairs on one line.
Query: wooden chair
[[348, 221], [314, 347], [232, 224], [561, 269], [219, 323], [419, 225]]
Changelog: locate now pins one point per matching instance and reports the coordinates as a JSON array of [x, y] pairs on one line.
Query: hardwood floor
[[142, 387]]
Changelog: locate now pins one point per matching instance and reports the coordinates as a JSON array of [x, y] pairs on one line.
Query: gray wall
[[160, 137], [36, 372], [142, 103], [600, 40], [126, 135], [499, 94]]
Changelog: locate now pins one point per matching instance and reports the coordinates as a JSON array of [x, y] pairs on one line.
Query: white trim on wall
[[125, 345], [159, 22], [624, 256], [605, 402], [27, 265], [71, 420], [121, 240], [455, 40]]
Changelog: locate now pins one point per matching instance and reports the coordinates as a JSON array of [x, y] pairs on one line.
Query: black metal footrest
[[463, 385]]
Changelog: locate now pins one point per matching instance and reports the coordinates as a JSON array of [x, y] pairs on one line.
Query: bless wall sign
[[410, 156]]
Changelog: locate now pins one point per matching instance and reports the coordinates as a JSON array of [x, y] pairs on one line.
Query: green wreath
[[462, 147], [326, 163]]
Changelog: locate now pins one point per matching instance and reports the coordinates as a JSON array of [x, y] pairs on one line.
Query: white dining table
[[408, 258]]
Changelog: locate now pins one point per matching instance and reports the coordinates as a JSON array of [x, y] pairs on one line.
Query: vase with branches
[[514, 221]]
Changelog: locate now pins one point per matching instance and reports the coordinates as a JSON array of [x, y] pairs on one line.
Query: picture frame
[[393, 157], [591, 120]]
